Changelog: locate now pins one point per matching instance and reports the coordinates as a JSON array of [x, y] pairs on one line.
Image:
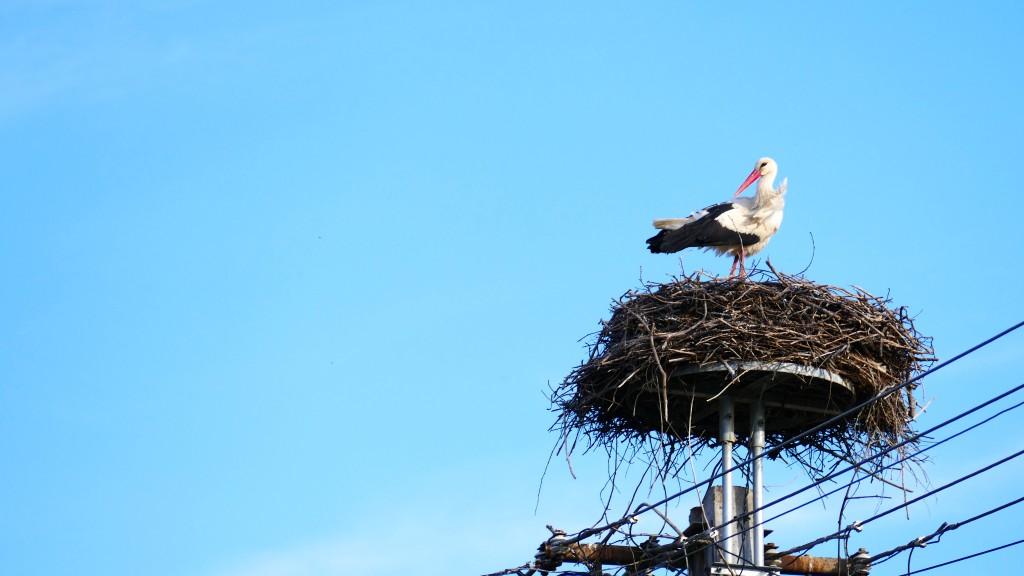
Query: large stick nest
[[629, 396]]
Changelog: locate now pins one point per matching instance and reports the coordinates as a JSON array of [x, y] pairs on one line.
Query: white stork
[[741, 227]]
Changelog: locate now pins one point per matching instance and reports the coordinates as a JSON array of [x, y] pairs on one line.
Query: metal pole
[[756, 450], [727, 432]]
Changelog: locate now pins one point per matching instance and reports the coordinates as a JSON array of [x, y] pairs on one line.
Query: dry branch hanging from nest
[[631, 393]]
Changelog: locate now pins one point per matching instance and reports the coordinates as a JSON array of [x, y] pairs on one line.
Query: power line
[[859, 524], [943, 487], [961, 559], [924, 540]]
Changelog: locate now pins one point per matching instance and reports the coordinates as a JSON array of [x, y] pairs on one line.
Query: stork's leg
[[743, 267], [732, 271]]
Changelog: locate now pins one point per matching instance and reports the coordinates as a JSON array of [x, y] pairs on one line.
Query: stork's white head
[[764, 168]]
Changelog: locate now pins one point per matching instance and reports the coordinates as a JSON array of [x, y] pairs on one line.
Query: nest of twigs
[[631, 396]]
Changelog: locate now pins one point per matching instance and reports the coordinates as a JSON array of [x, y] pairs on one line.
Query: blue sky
[[285, 285]]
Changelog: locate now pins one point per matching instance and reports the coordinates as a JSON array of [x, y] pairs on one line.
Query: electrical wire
[[961, 559], [858, 525], [921, 542]]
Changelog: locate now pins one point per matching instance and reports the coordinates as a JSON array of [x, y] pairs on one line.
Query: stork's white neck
[[767, 197], [765, 185]]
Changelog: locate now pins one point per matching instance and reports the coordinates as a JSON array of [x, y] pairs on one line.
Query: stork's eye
[[763, 164]]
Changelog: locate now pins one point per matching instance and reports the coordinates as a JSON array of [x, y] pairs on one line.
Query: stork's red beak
[[750, 180]]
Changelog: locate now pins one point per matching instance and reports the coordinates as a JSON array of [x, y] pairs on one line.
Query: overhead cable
[[859, 524], [961, 559], [923, 541]]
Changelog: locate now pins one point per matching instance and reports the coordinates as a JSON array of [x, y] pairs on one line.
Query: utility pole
[[783, 365]]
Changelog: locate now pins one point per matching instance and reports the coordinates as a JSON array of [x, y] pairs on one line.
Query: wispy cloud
[[34, 72]]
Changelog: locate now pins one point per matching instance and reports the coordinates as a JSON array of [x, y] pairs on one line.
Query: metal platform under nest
[[794, 397]]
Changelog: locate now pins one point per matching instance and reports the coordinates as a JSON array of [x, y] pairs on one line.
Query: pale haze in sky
[[286, 285]]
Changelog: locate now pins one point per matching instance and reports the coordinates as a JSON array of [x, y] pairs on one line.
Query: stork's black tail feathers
[[669, 241], [654, 243]]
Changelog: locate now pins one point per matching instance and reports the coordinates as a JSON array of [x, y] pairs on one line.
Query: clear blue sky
[[285, 284]]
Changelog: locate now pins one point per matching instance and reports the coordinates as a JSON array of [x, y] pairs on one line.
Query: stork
[[741, 227]]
